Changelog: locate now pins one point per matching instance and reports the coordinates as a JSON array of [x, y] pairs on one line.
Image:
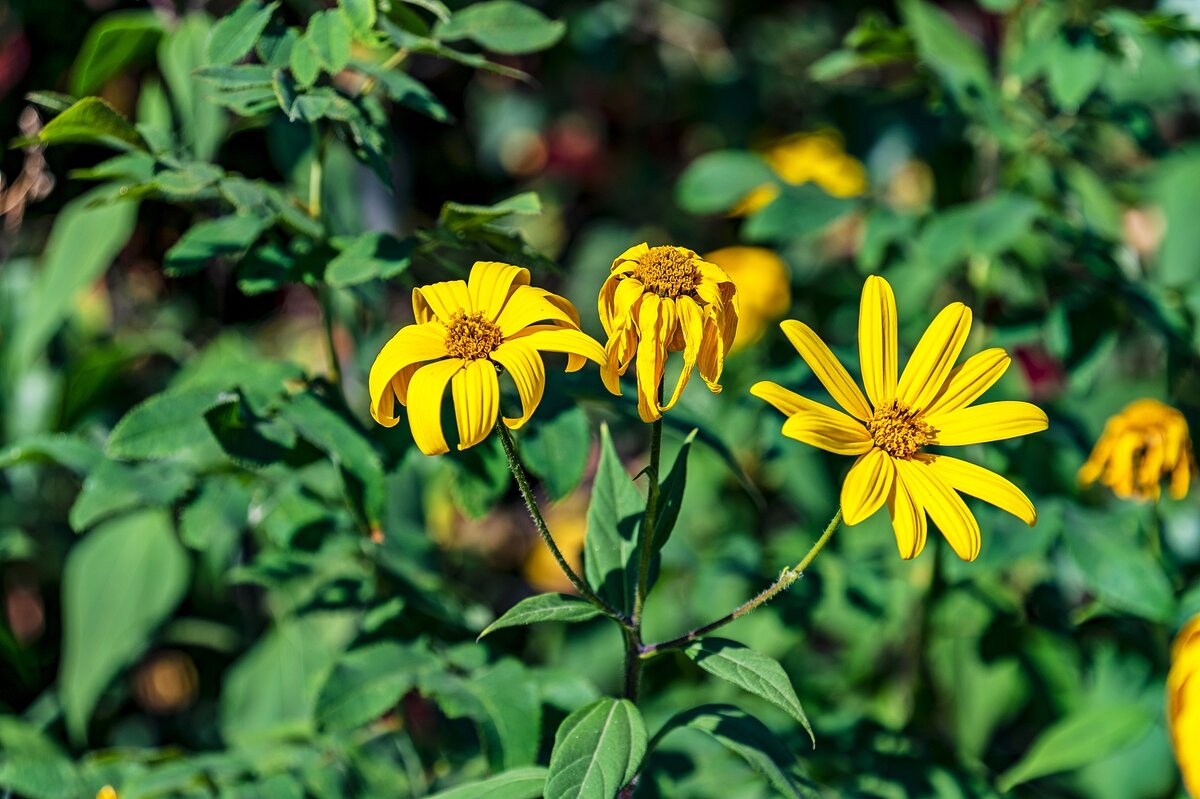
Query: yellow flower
[[803, 158], [107, 792], [658, 300], [763, 288], [927, 405], [1141, 445], [568, 519], [464, 332], [1183, 703]]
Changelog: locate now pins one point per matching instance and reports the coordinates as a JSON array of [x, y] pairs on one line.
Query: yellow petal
[[528, 306], [877, 351], [425, 393], [969, 380], [412, 345], [691, 323], [476, 401], [984, 484], [528, 373], [628, 259], [651, 355], [867, 485], [490, 283], [908, 517], [711, 360], [830, 430], [827, 368], [934, 357], [783, 400], [563, 339], [945, 507], [617, 299], [442, 299], [991, 421]]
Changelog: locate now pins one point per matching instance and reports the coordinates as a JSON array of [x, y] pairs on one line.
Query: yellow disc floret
[[667, 271], [471, 336], [898, 431]]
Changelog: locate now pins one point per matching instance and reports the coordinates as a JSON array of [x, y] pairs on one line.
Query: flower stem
[[518, 473], [786, 578]]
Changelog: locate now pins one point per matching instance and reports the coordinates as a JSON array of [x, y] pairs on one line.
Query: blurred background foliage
[[219, 580]]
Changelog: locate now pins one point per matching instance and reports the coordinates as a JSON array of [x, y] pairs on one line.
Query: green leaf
[[213, 522], [751, 671], [329, 35], [614, 515], [241, 76], [1083, 737], [164, 424], [91, 121], [435, 7], [519, 783], [367, 682], [113, 487], [1124, 575], [1073, 71], [371, 256], [116, 42], [222, 237], [119, 583], [502, 26], [305, 63], [946, 49], [749, 739], [406, 90], [544, 607], [32, 764], [234, 35], [69, 451], [180, 54], [480, 477], [459, 217], [598, 749], [798, 211], [360, 14], [670, 494], [1174, 189], [715, 182], [417, 43]]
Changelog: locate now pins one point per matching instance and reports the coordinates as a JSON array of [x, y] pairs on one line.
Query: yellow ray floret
[[901, 413], [1142, 445], [658, 300], [463, 332], [1183, 703]]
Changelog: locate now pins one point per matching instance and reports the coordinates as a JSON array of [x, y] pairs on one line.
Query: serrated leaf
[[91, 121], [459, 217], [366, 682], [1083, 737], [717, 181], [222, 237], [598, 749], [305, 63], [70, 451], [502, 26], [119, 583], [518, 783], [329, 34], [233, 36], [32, 765], [614, 516], [544, 607], [359, 13], [406, 90], [751, 671], [164, 424]]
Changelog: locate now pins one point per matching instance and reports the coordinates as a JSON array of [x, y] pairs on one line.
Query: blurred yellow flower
[[107, 792], [1183, 703], [1141, 445], [807, 157], [568, 520], [927, 405], [763, 288], [658, 300], [463, 332]]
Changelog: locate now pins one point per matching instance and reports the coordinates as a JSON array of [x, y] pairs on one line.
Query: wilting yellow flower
[[568, 519], [1141, 445], [803, 158], [927, 405], [1183, 703], [658, 300], [463, 332], [763, 288]]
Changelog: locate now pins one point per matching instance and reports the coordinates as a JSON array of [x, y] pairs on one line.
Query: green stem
[[335, 369], [392, 61], [785, 581], [518, 473], [315, 173], [646, 544]]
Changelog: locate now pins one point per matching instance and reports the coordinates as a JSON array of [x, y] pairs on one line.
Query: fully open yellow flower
[[1183, 703], [927, 405], [763, 288], [464, 331], [1141, 445], [658, 300], [803, 158]]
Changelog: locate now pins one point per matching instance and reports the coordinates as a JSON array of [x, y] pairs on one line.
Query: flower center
[[471, 336], [898, 431], [667, 271]]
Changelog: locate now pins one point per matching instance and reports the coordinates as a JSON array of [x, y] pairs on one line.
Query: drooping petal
[[827, 368], [528, 306], [829, 430], [969, 380], [412, 345], [984, 484], [711, 361], [651, 355], [442, 299], [934, 357], [489, 285], [945, 507], [877, 349], [528, 373], [909, 521], [476, 401], [691, 324], [425, 392], [563, 339], [867, 485], [784, 400], [991, 421], [617, 299]]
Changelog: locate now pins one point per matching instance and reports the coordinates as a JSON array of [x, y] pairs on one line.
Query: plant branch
[[391, 62]]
